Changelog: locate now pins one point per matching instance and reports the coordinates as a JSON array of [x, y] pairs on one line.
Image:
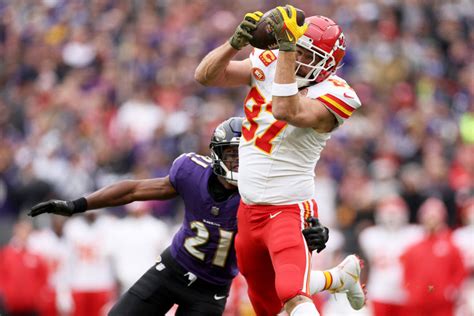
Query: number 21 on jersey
[[254, 106], [191, 244], [202, 237]]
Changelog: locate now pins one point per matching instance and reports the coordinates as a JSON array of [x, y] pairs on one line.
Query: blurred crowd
[[94, 91]]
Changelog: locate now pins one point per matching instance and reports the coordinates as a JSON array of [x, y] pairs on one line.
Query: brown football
[[263, 36]]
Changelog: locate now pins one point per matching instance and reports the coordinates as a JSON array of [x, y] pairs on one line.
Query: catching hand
[[243, 32], [64, 208], [286, 28], [316, 235]]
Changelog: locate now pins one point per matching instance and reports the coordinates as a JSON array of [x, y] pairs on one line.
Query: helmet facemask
[[225, 160], [322, 64], [224, 149]]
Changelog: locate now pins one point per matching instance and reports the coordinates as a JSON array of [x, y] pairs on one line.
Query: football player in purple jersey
[[196, 271]]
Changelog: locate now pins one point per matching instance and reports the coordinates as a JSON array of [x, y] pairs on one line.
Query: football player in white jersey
[[383, 244], [294, 103]]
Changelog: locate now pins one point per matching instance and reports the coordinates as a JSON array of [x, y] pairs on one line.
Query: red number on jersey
[[257, 100], [264, 140]]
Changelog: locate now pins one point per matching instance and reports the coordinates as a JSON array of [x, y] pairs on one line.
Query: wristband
[[284, 89], [80, 205]]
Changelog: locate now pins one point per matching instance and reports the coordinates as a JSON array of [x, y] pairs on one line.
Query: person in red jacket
[[23, 275], [433, 268]]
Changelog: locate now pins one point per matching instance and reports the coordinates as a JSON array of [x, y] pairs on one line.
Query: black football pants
[[162, 287]]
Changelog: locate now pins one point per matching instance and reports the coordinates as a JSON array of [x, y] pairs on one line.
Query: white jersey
[[90, 263], [55, 251], [136, 244], [280, 158], [383, 249]]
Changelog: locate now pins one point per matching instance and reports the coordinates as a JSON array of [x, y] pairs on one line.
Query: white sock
[[305, 309], [317, 282], [323, 280]]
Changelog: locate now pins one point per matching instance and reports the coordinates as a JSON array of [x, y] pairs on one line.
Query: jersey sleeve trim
[[337, 105]]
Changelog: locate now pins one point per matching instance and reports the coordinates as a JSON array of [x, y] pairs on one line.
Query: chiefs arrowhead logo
[[258, 74]]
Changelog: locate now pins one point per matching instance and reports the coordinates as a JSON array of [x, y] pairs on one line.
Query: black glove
[[316, 235], [64, 208]]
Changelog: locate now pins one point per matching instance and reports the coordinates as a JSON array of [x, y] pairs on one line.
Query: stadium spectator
[[139, 117]]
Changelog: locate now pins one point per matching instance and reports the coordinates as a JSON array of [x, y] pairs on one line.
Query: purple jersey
[[204, 245]]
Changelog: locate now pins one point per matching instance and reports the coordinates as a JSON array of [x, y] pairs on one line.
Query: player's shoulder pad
[[187, 162], [336, 94], [185, 166], [178, 161], [195, 159], [340, 91]]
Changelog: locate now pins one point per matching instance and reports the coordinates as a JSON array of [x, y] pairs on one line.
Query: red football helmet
[[324, 38]]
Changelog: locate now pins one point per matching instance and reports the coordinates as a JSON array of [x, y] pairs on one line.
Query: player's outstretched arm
[[119, 193], [218, 69]]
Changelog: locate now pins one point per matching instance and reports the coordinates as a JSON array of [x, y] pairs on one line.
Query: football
[[263, 36]]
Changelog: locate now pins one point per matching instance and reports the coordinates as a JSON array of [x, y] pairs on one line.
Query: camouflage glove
[[286, 28], [316, 235], [64, 208], [243, 32]]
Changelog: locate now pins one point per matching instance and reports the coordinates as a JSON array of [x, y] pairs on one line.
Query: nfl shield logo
[[215, 210]]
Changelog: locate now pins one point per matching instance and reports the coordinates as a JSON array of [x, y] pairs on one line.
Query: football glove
[[242, 34], [64, 208], [316, 235], [286, 28]]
